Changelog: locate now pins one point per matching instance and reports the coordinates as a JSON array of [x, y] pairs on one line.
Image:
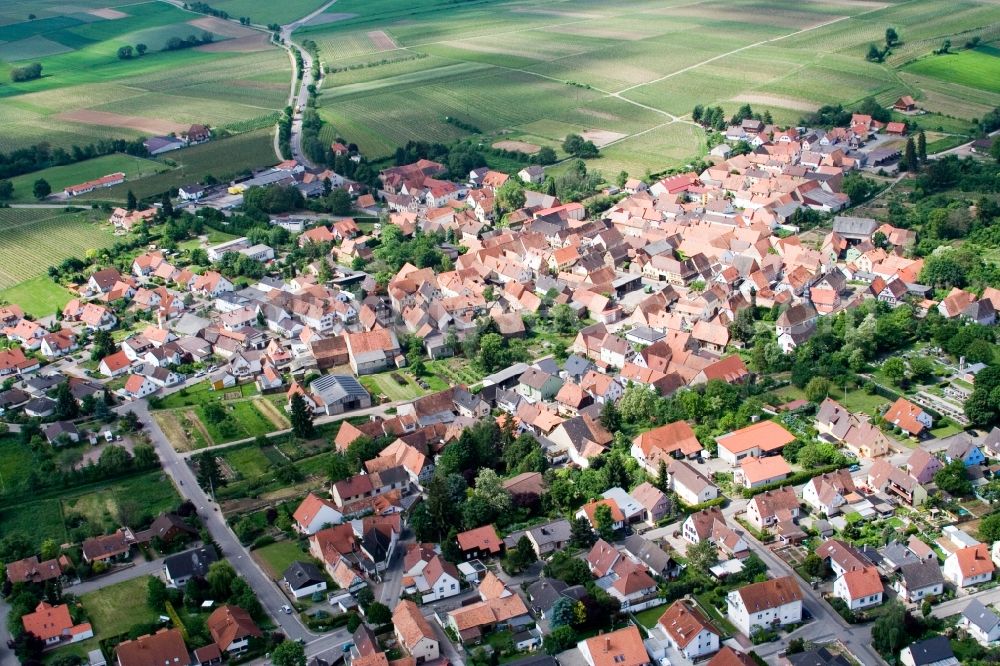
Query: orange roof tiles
[[768, 435]]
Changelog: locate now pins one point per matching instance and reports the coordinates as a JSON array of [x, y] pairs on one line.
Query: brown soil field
[[108, 119], [517, 146]]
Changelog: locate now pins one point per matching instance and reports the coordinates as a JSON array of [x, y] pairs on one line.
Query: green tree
[[6, 190], [581, 535], [610, 418], [523, 554], [605, 522], [546, 155], [922, 146], [125, 52], [563, 612], [891, 37], [511, 195], [130, 201], [378, 614], [220, 579], [564, 319], [156, 594], [889, 634], [815, 566], [102, 345], [703, 555], [817, 389], [141, 49], [339, 201], [41, 189], [894, 369], [209, 474], [621, 179], [953, 480], [910, 161], [302, 418], [989, 528], [493, 352], [921, 368], [289, 653], [66, 406], [874, 54]]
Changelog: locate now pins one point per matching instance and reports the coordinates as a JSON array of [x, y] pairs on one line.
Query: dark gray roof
[[981, 616], [918, 575], [931, 651], [547, 365], [302, 574], [545, 592], [854, 226], [338, 388], [557, 530], [648, 553], [577, 366], [193, 562]]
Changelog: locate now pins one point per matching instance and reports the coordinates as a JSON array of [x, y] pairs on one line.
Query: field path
[[267, 408]]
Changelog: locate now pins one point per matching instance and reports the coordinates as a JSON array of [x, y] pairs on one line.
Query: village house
[[688, 630], [414, 632], [692, 487], [776, 602], [761, 438], [53, 625], [623, 647], [969, 566], [908, 417], [772, 507]]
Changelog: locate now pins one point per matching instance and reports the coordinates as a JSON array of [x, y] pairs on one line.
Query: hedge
[[718, 501], [794, 479]]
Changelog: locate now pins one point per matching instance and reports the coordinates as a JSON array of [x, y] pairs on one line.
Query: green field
[[38, 296], [977, 68], [61, 177], [32, 239], [385, 384], [236, 82], [278, 556], [77, 514], [115, 609], [506, 67], [269, 12]]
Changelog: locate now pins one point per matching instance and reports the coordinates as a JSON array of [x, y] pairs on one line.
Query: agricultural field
[[222, 159], [32, 239], [87, 93], [535, 73], [266, 13], [189, 425], [976, 68]]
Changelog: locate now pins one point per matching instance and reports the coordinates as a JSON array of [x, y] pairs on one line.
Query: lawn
[[276, 557], [455, 371], [649, 617], [16, 462], [202, 393], [385, 384], [115, 609], [945, 428], [61, 177], [249, 461], [244, 421], [31, 240], [859, 401], [976, 68]]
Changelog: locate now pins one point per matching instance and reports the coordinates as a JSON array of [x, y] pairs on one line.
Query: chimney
[[607, 643]]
